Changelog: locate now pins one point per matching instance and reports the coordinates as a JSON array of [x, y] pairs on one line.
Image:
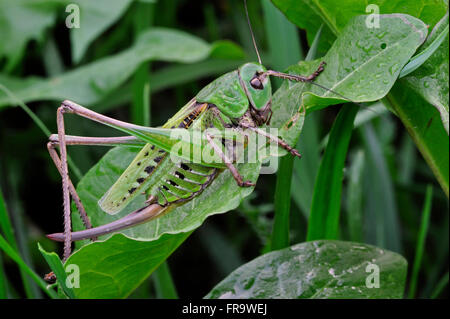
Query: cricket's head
[[257, 87]]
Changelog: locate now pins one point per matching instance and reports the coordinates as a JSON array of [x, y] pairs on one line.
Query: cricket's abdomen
[[153, 172], [184, 182]]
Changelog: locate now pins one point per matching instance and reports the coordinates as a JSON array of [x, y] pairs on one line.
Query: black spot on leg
[[123, 199], [158, 159], [140, 180], [153, 147], [179, 175], [165, 187], [172, 183], [185, 167], [138, 164], [149, 169], [131, 190]]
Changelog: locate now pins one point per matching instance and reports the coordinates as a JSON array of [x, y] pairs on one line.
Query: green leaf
[[310, 14], [115, 267], [326, 203], [423, 56], [362, 64], [225, 49], [95, 17], [34, 16], [58, 269], [92, 82], [421, 101], [430, 81], [319, 269]]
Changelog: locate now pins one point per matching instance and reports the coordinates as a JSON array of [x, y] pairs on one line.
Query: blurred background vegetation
[[385, 178]]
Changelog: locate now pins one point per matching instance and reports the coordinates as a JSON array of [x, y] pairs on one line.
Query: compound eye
[[256, 83]]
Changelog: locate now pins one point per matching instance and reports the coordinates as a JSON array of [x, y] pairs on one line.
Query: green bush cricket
[[239, 100]]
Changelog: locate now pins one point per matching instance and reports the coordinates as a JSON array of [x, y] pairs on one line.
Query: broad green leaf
[[34, 16], [114, 268], [92, 82], [362, 66], [310, 14], [58, 269], [318, 269], [95, 17]]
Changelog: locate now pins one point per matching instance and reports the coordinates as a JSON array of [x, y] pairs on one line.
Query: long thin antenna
[[251, 31]]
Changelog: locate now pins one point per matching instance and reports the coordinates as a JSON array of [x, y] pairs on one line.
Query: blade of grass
[[212, 24], [15, 257], [140, 109], [21, 233], [443, 282], [284, 51], [326, 202], [426, 212], [419, 59], [362, 117], [381, 220], [5, 223], [6, 228], [354, 198], [165, 288], [439, 234], [3, 280]]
